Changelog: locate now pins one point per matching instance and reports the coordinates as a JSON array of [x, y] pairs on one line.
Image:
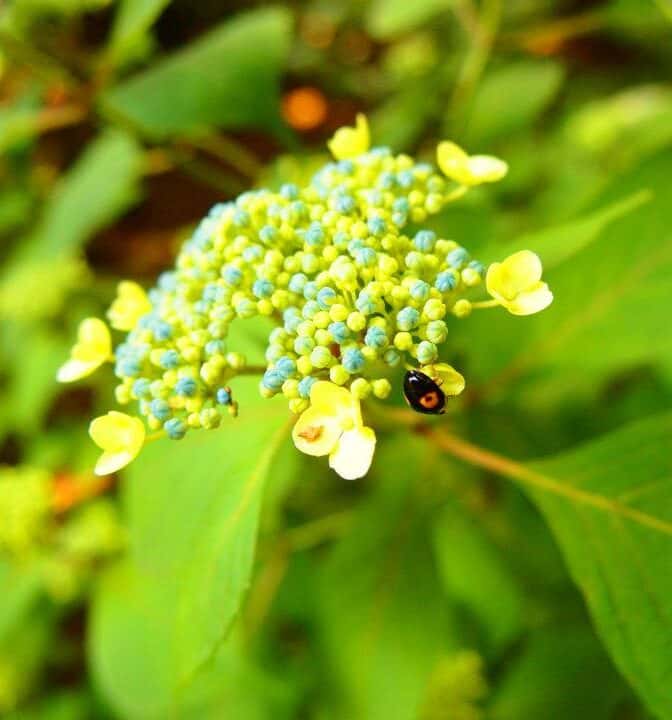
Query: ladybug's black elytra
[[423, 394]]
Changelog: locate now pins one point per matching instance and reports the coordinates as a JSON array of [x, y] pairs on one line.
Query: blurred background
[[121, 123]]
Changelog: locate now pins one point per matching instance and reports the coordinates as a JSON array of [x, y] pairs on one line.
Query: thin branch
[[550, 35], [518, 473], [482, 40], [229, 151], [59, 117], [316, 532]]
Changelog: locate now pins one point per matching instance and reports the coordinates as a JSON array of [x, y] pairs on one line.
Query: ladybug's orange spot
[[429, 400], [304, 108], [312, 433]]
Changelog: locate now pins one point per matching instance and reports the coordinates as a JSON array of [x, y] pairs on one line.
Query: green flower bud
[[360, 388], [403, 341], [381, 388], [462, 308], [339, 375], [356, 321]]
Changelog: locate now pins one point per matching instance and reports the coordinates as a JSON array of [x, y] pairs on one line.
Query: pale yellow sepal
[[333, 426], [348, 142], [92, 349], [469, 170], [452, 382], [516, 284], [129, 306], [120, 437]]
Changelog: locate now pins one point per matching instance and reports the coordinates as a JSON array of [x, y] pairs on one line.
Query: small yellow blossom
[[349, 142], [516, 284], [333, 426], [451, 382], [120, 437], [129, 306], [469, 170], [92, 349]]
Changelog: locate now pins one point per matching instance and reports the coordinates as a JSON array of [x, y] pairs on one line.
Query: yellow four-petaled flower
[[468, 170], [333, 426], [120, 437], [516, 284]]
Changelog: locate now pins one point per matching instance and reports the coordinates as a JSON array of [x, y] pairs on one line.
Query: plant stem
[[482, 39], [59, 117], [518, 473], [484, 304], [252, 370], [318, 531], [231, 152]]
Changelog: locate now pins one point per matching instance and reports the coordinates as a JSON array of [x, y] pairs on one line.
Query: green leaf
[[101, 185], [384, 620], [228, 79], [46, 266], [610, 307], [625, 126], [33, 375], [558, 244], [537, 683], [387, 18], [194, 510], [133, 20], [609, 507], [510, 99], [474, 572], [21, 588], [614, 526], [17, 124], [399, 122], [135, 656]]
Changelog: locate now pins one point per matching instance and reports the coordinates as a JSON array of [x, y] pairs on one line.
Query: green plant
[[506, 560]]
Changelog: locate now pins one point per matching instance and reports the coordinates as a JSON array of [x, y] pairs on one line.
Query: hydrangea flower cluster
[[352, 289]]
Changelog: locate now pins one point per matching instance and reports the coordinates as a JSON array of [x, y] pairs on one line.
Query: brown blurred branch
[[55, 118]]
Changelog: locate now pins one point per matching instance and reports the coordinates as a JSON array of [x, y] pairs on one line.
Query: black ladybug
[[423, 394]]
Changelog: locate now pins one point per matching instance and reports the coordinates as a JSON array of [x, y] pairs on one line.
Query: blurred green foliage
[[229, 577]]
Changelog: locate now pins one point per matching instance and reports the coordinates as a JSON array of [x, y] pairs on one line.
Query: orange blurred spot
[[56, 95], [70, 490], [304, 108]]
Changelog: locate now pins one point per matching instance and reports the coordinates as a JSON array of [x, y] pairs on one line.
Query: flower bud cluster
[[353, 290]]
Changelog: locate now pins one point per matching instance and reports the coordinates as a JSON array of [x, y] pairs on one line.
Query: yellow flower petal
[[468, 170], [353, 454], [92, 349], [533, 301], [121, 438], [75, 370], [486, 169], [332, 399], [316, 433], [129, 306], [452, 161], [452, 382], [349, 142]]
